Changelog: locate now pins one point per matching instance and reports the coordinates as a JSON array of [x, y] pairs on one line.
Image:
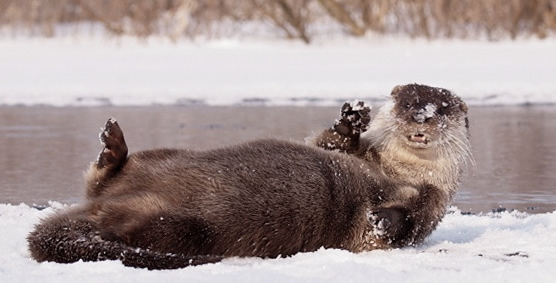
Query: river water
[[44, 151]]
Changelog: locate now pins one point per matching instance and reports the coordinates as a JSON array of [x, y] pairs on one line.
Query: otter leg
[[110, 160], [344, 134], [410, 221]]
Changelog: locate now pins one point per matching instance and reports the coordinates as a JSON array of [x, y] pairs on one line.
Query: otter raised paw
[[344, 135], [354, 119], [114, 152], [110, 160]]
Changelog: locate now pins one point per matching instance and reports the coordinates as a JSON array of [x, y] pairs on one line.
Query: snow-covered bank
[[502, 247], [98, 71]]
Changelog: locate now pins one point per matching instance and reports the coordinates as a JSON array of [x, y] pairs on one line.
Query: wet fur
[[172, 208]]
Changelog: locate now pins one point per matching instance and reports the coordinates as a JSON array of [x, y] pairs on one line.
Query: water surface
[[45, 150]]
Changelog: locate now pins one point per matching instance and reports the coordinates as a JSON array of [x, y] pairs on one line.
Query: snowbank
[[509, 247], [77, 70]]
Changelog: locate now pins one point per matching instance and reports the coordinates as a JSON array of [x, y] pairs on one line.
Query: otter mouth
[[420, 139]]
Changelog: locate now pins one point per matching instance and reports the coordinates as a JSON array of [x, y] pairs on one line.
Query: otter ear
[[463, 107], [396, 91]]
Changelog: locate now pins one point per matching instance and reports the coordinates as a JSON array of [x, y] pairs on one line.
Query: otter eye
[[408, 106]]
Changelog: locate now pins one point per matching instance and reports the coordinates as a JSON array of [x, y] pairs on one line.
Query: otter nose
[[419, 117], [424, 114]]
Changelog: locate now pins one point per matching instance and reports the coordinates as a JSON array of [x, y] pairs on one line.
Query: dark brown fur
[[174, 208]]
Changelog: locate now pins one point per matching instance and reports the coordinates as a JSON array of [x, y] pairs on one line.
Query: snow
[[430, 110], [358, 105], [80, 70], [494, 247], [89, 71]]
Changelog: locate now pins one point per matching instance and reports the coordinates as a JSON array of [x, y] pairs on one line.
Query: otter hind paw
[[354, 118], [114, 152], [389, 223]]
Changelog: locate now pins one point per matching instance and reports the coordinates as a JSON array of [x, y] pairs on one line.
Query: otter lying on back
[[171, 208]]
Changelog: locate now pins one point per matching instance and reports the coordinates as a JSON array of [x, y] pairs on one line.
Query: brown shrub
[[290, 18]]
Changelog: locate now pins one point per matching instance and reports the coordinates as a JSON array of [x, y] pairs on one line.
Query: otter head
[[422, 136], [426, 116], [422, 122]]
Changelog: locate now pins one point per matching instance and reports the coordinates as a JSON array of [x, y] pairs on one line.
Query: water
[[44, 150]]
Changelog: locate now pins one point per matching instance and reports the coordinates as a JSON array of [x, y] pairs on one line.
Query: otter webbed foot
[[391, 224], [344, 135], [114, 153], [109, 161], [354, 119]]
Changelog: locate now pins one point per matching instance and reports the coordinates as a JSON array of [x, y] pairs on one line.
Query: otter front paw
[[354, 119], [390, 223]]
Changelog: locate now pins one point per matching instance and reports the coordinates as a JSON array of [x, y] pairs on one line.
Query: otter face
[[427, 116]]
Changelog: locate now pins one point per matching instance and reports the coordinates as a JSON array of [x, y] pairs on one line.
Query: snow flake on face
[[430, 110], [425, 113]]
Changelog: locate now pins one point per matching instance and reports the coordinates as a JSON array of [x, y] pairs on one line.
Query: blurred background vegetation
[[292, 19]]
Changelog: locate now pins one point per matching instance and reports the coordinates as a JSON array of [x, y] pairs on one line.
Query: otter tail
[[66, 240]]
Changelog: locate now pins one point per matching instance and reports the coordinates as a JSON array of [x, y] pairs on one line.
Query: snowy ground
[[75, 71], [78, 70], [503, 247]]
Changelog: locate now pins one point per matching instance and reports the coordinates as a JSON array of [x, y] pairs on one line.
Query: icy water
[[45, 150]]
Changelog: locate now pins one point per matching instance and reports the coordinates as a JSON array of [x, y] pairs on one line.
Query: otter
[[359, 186]]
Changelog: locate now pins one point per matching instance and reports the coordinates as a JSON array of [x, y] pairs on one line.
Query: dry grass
[[294, 19]]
